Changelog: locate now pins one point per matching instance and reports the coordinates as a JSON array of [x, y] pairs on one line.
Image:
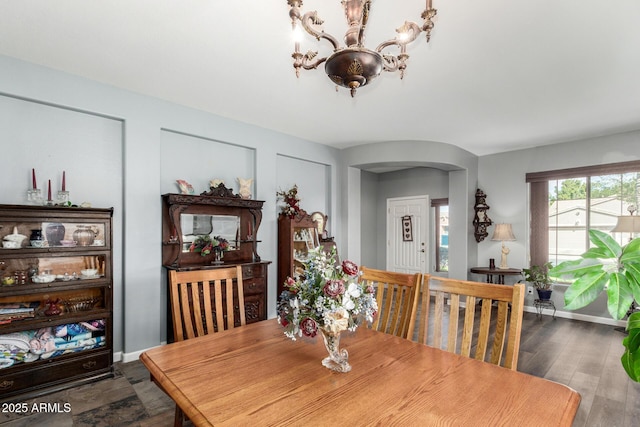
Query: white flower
[[348, 303], [353, 290], [337, 320]]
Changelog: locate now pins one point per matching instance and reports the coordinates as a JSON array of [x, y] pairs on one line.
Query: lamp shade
[[627, 224], [503, 232]]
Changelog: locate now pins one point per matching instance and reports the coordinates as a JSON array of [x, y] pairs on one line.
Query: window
[[566, 204], [442, 233]]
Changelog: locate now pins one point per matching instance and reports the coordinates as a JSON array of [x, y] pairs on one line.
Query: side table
[[499, 273], [541, 304]]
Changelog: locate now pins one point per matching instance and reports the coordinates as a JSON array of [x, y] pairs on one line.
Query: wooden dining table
[[254, 375]]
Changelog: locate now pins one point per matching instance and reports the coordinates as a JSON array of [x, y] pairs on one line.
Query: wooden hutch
[[217, 212], [56, 303], [296, 235]]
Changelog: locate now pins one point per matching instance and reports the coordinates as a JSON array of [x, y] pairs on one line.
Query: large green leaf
[[631, 364], [585, 290], [631, 252], [575, 268], [610, 248], [632, 271], [633, 323], [619, 296], [631, 357]]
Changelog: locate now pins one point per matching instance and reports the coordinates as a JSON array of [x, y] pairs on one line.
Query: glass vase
[[338, 360], [217, 257]]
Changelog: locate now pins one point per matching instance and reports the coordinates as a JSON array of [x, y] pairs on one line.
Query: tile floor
[[129, 399]]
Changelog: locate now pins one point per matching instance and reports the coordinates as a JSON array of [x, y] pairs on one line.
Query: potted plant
[[607, 265], [538, 276]]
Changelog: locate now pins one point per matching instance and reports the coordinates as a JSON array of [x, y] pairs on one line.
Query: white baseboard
[[133, 356], [576, 316]]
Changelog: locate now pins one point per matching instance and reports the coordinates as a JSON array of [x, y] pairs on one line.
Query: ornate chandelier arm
[[407, 34], [312, 24]]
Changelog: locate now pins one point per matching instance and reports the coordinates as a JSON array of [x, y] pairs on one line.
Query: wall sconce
[[481, 220], [504, 233]]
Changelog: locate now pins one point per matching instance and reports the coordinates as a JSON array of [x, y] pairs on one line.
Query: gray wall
[[377, 188], [124, 150], [502, 177], [462, 169]]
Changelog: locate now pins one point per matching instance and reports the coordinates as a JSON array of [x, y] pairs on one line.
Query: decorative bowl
[[15, 237], [44, 278], [67, 242], [79, 304], [37, 243], [10, 244], [89, 272]]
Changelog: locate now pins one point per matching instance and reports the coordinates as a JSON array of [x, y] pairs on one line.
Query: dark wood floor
[[585, 356]]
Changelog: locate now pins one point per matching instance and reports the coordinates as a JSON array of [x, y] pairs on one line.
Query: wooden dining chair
[[199, 306], [397, 298], [497, 326]]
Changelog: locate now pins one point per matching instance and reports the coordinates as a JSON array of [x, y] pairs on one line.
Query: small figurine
[[215, 182], [185, 187], [245, 187]]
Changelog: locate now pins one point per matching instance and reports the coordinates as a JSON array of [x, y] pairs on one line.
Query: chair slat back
[[196, 296], [397, 298], [494, 329]]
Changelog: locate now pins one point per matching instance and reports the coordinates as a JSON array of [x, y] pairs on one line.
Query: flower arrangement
[[205, 245], [327, 297], [291, 201]]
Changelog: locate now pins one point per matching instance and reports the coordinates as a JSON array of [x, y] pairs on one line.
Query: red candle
[[33, 178], [63, 181], [49, 194]]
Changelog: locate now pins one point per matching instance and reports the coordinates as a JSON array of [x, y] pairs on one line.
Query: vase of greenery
[[538, 276], [616, 269]]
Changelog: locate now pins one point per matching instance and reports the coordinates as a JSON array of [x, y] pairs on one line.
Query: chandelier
[[353, 65]]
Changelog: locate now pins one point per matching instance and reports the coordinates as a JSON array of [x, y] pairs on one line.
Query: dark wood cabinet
[[216, 213], [56, 314], [296, 235]]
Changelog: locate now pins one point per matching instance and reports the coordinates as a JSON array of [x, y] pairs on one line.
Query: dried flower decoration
[[291, 201]]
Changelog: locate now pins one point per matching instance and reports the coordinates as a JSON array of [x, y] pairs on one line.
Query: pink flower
[[309, 327], [349, 267], [289, 283], [333, 288]]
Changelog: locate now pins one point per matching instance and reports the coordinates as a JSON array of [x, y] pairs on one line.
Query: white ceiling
[[498, 75]]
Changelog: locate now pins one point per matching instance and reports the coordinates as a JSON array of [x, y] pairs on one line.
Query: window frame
[[437, 204], [539, 200]]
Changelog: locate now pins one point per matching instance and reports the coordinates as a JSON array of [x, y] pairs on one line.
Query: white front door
[[408, 234]]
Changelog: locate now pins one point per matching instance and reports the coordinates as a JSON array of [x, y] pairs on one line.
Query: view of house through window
[[577, 205], [442, 233]]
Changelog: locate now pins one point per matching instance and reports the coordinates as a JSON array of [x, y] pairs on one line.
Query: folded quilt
[[44, 343]]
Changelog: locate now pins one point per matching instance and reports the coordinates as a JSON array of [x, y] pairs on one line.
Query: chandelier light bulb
[[296, 34]]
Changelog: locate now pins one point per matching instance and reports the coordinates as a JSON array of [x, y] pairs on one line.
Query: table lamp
[[628, 223], [503, 233]]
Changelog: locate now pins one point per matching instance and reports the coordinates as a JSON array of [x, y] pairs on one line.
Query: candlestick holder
[[63, 198], [34, 197]]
